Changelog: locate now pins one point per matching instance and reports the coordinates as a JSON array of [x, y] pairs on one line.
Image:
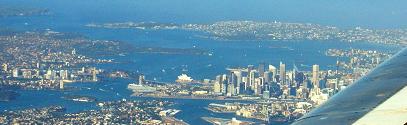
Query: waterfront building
[[184, 78], [61, 84], [16, 72], [5, 67], [94, 72], [217, 85]]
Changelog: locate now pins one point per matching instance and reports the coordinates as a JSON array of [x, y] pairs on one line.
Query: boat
[[140, 88]]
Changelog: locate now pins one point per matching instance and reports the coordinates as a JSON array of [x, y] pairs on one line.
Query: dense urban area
[[48, 60], [275, 31]]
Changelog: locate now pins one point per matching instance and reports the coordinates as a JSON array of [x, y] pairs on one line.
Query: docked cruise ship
[[140, 88]]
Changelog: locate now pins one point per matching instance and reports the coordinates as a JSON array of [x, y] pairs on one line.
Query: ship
[[140, 88]]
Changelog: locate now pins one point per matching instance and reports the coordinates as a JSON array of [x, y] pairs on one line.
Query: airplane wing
[[379, 98]]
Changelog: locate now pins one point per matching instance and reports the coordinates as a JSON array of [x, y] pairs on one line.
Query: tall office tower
[[245, 86], [273, 71], [232, 83], [217, 85], [267, 76], [61, 84], [141, 79], [251, 78], [258, 85], [238, 80], [282, 74], [5, 67], [94, 72], [261, 69], [315, 76], [16, 72], [224, 86], [299, 79]]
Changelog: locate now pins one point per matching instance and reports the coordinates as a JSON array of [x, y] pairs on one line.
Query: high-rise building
[[224, 86], [261, 69], [238, 80], [273, 71], [246, 86], [315, 76], [251, 79], [267, 76], [232, 83], [282, 74], [217, 85], [258, 85]]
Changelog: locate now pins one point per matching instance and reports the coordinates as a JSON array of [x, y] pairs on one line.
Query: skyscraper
[[238, 80], [273, 71], [261, 69], [282, 73], [267, 76], [257, 87], [224, 86], [217, 85], [232, 84], [251, 78], [315, 76]]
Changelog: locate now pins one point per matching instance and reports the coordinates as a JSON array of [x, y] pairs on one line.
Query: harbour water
[[165, 67]]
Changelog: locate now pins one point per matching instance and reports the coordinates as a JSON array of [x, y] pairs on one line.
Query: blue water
[[72, 15]]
